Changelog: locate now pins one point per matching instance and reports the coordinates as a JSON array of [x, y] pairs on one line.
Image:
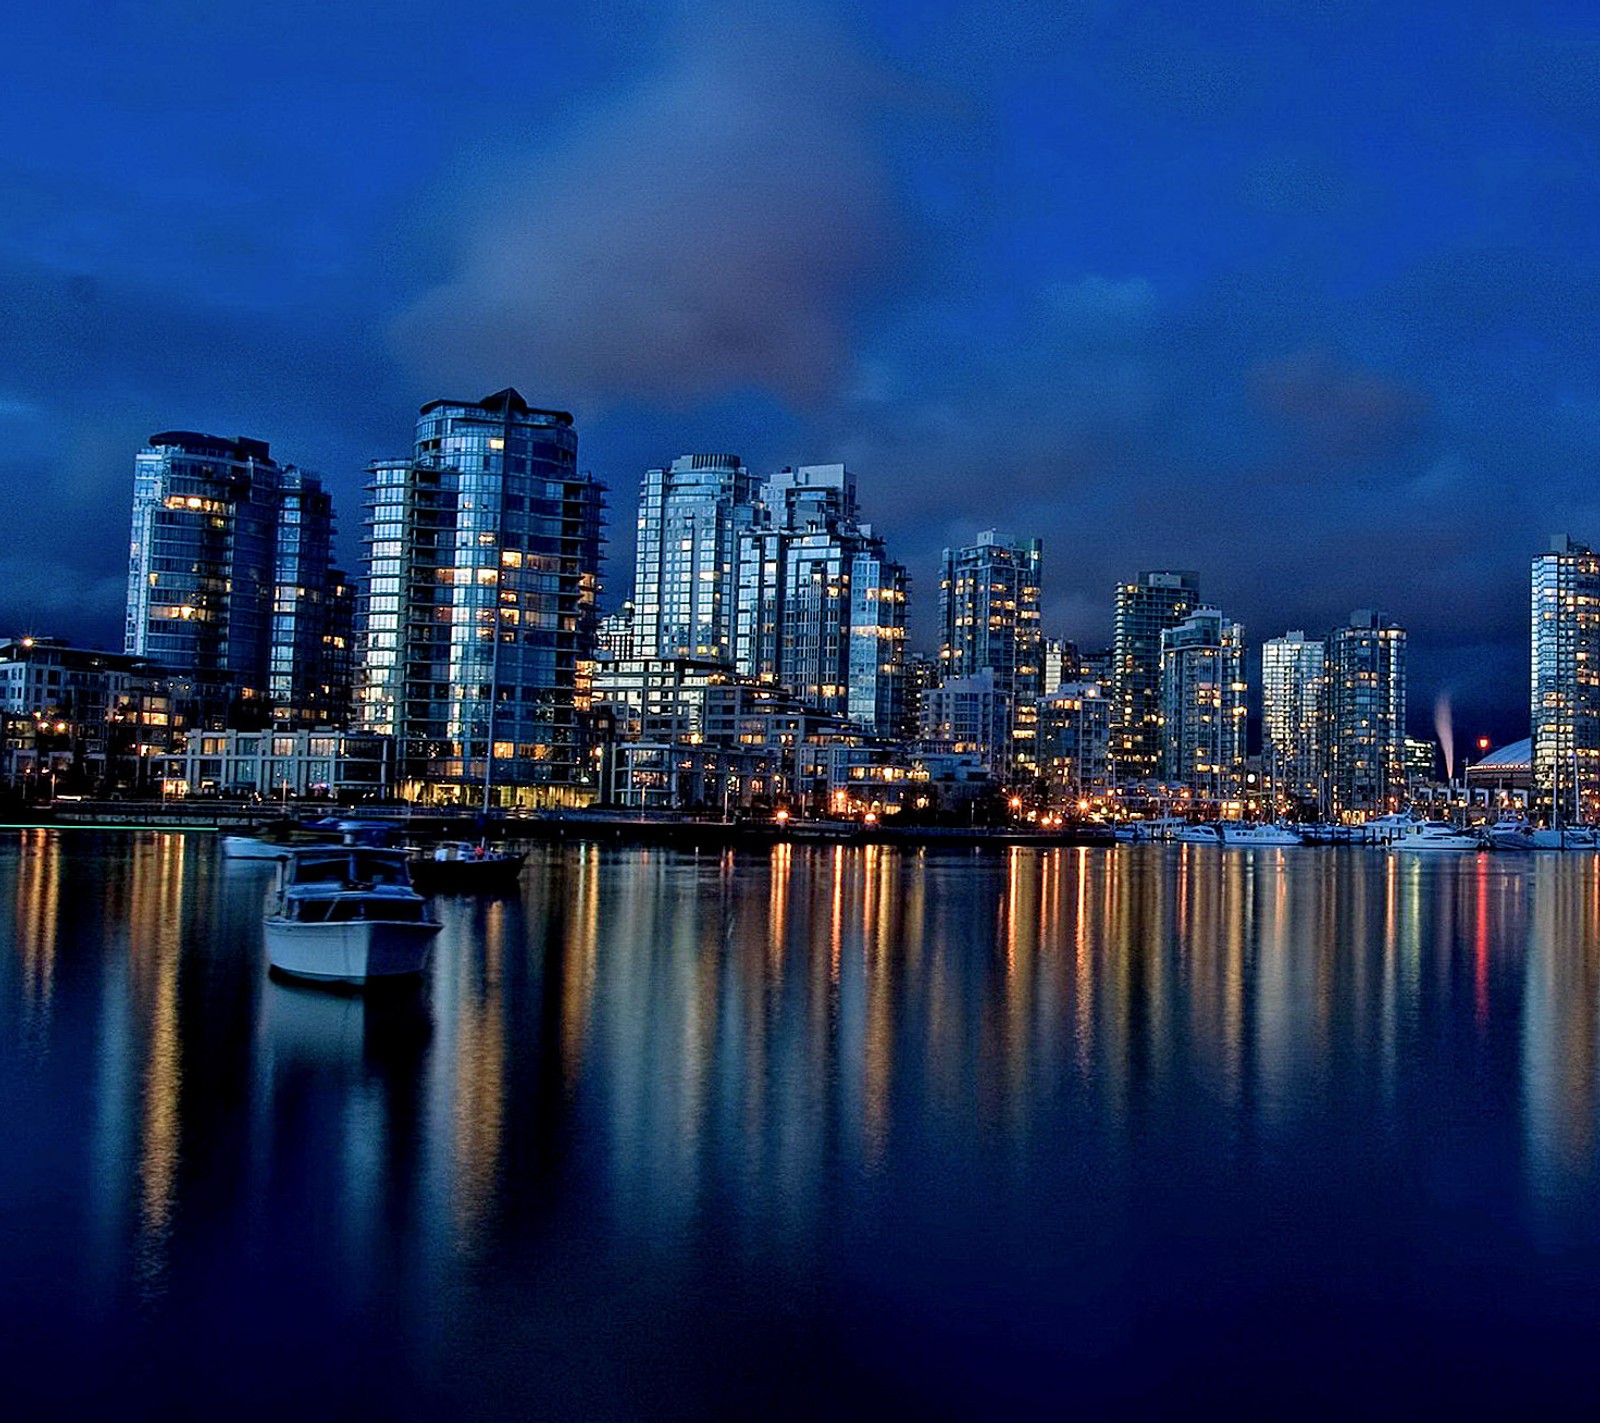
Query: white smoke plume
[[1443, 724]]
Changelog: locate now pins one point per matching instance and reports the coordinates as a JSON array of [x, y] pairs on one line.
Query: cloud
[[709, 230], [1342, 413]]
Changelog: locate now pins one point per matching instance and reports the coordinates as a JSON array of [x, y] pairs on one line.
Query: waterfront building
[[231, 582], [989, 622], [1366, 715], [1145, 608], [82, 718], [1075, 739], [1293, 716], [685, 588], [1564, 700], [1203, 704], [321, 763], [477, 614], [821, 605]]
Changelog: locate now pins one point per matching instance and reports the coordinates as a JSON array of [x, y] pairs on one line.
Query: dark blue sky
[[1302, 295]]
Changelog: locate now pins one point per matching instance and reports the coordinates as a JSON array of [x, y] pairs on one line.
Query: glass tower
[[1564, 704], [231, 584], [1203, 704], [1366, 691], [478, 611], [821, 605], [1293, 714], [989, 618], [1146, 608], [685, 584]]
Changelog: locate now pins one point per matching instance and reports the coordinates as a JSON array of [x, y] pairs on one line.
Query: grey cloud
[[709, 230]]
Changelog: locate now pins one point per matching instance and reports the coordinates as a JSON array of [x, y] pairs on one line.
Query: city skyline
[[1162, 287]]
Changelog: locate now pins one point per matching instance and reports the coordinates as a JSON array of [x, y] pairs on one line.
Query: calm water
[[1112, 1132]]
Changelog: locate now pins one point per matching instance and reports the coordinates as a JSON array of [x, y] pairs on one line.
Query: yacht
[[252, 847], [1434, 836], [1513, 834], [464, 867], [348, 914], [1197, 835], [1237, 833], [1385, 829]]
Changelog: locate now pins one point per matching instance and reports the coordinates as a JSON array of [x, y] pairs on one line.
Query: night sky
[[1301, 295]]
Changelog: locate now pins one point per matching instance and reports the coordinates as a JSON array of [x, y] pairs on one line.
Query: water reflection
[[684, 1087]]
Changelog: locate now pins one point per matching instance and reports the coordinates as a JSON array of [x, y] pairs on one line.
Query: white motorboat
[[1433, 837], [1513, 834], [348, 914], [1385, 829], [1238, 833], [1197, 835]]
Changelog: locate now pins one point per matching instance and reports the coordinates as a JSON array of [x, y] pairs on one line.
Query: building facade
[[1145, 608], [1564, 696], [1293, 718], [685, 590], [231, 582], [1366, 718], [1203, 705], [478, 610], [821, 605], [990, 621], [1075, 739]]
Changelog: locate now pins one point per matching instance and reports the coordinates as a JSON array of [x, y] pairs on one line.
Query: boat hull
[[356, 951]]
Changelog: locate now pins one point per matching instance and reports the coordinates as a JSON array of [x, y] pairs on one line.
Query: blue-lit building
[[231, 583], [477, 613], [685, 587], [821, 605], [989, 619]]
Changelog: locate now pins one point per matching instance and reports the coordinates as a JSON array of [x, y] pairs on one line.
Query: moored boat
[[348, 914], [1435, 837], [1238, 833], [461, 867], [1197, 835]]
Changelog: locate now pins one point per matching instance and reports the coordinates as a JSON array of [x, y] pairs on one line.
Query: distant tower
[[1564, 703], [1366, 755], [1294, 714], [1155, 601], [989, 620], [686, 569], [1203, 704], [478, 613]]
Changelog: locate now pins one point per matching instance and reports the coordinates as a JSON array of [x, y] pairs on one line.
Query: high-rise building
[[685, 588], [1203, 704], [614, 638], [478, 611], [989, 619], [1564, 702], [1146, 608], [1075, 738], [821, 605], [1060, 662], [1293, 715], [231, 583], [1366, 720]]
